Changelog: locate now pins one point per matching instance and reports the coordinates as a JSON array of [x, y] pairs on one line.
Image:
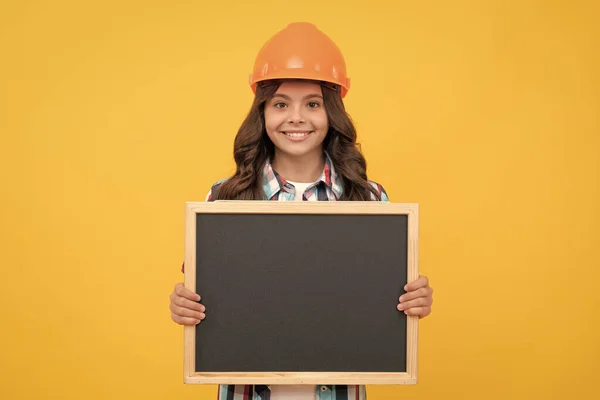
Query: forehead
[[301, 87]]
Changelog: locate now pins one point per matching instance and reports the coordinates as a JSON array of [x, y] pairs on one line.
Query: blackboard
[[301, 292]]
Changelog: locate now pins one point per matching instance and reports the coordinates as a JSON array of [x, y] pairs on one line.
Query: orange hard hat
[[301, 51]]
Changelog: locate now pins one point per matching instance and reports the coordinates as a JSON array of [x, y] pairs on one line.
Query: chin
[[299, 149], [297, 152]]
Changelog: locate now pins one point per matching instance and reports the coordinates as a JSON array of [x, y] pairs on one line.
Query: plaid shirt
[[327, 188]]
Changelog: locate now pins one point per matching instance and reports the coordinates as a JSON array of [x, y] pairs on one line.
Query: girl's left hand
[[418, 298]]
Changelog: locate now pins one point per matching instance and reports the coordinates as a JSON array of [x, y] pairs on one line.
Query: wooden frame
[[269, 207]]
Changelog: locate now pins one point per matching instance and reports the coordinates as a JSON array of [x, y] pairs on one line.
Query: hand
[[418, 298], [185, 309]]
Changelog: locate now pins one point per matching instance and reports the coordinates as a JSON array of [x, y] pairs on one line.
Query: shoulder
[[213, 189], [380, 190]]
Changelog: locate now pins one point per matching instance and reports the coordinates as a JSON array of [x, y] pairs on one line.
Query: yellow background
[[113, 114]]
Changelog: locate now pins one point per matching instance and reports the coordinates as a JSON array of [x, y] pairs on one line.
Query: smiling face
[[296, 121]]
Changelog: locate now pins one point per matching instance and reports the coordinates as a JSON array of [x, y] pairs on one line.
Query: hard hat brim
[[301, 74]]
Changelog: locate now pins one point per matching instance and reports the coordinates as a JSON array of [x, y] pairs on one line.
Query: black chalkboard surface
[[301, 292]]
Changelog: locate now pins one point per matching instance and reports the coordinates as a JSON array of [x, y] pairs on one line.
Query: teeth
[[296, 135]]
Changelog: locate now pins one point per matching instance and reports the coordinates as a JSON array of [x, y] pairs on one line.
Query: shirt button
[[323, 388]]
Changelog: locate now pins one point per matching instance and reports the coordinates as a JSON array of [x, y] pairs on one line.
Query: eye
[[280, 105], [314, 104]]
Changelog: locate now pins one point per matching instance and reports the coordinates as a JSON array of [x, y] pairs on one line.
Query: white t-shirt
[[300, 189], [293, 392]]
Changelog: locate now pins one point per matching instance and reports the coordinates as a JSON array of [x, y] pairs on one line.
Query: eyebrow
[[308, 96]]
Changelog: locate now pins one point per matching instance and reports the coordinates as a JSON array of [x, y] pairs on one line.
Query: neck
[[305, 169]]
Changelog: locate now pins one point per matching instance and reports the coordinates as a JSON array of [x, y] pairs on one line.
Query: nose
[[296, 115]]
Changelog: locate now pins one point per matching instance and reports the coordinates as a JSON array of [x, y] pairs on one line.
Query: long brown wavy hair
[[252, 148]]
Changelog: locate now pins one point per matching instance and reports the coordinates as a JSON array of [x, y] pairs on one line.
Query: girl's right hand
[[185, 309]]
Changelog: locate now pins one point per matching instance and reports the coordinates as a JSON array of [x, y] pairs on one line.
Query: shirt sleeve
[[211, 192], [380, 190], [383, 194]]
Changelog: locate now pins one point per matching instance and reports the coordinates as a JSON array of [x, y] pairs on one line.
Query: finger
[[421, 281], [421, 292], [184, 320], [420, 302], [185, 303], [186, 312], [182, 291], [418, 311]]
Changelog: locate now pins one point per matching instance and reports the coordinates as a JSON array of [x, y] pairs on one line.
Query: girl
[[298, 143]]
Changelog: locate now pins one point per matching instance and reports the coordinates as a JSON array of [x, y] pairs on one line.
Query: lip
[[297, 135]]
